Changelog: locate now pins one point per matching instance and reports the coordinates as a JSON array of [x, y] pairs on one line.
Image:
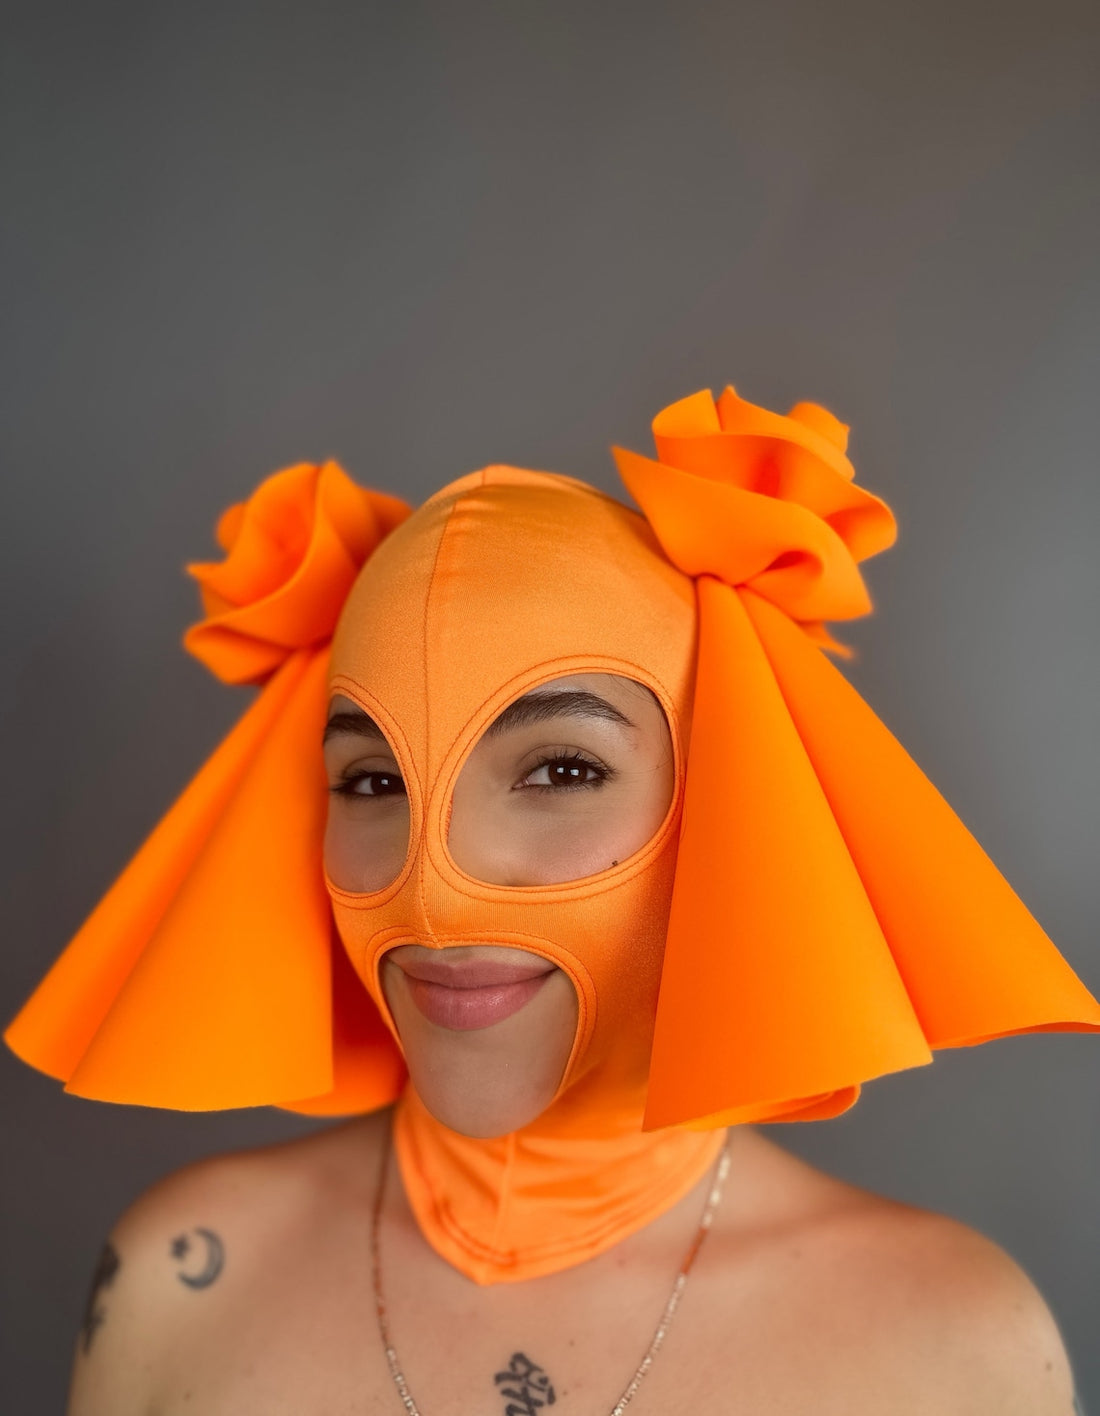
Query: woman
[[599, 950]]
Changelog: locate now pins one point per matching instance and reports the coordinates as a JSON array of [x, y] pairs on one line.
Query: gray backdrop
[[422, 237]]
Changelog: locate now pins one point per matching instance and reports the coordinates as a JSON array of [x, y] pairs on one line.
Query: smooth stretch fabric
[[810, 915], [505, 580]]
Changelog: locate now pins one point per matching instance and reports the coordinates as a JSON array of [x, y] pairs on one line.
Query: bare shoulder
[[938, 1312], [216, 1228]]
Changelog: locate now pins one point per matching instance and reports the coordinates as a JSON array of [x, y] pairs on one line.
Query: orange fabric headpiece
[[831, 919]]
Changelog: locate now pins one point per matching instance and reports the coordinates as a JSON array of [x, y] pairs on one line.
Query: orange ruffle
[[762, 501], [293, 551]]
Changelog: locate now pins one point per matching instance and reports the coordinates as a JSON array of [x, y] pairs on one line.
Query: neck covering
[[830, 919]]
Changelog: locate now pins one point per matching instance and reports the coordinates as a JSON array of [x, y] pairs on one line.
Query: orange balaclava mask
[[810, 915], [501, 582]]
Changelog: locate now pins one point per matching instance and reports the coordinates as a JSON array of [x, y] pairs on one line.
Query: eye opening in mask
[[372, 816], [575, 776], [572, 759]]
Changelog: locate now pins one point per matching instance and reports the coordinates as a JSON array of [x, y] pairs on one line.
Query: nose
[[488, 855], [481, 840]]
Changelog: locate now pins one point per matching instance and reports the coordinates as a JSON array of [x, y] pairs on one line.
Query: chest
[[304, 1340]]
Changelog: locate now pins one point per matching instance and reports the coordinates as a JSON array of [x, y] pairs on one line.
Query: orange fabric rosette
[[832, 919], [206, 977]]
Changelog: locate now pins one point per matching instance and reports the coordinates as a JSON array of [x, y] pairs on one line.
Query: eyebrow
[[532, 708], [539, 707], [354, 722]]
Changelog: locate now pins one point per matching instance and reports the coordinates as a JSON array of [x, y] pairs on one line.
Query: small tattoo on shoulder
[[525, 1386], [201, 1269], [94, 1313]]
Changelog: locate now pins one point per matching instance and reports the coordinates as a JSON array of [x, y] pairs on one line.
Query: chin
[[470, 1118], [490, 1081]]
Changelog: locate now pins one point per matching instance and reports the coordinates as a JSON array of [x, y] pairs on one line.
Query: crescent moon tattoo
[[215, 1258]]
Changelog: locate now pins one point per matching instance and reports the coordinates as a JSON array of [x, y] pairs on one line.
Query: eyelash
[[346, 787], [602, 773]]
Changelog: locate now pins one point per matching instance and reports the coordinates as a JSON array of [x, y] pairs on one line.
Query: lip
[[474, 973], [473, 994]]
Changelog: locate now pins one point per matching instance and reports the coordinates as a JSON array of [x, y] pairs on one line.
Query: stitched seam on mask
[[425, 832]]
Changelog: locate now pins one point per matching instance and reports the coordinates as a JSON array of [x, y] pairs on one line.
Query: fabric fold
[[975, 962], [368, 1070], [779, 992], [293, 551], [172, 993], [832, 919], [520, 1206], [207, 977]]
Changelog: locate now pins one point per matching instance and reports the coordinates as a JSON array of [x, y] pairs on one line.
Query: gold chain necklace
[[713, 1197]]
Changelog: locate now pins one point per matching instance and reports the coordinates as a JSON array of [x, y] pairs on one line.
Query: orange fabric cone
[[205, 979], [777, 985], [832, 920], [975, 963]]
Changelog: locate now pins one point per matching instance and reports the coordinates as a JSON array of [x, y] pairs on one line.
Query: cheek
[[516, 844], [365, 845], [591, 842], [624, 821], [527, 838]]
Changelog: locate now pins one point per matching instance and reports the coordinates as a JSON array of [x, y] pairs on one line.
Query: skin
[[536, 803], [242, 1284], [809, 1298]]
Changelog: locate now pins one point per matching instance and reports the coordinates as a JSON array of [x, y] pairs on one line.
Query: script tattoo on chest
[[104, 1275], [525, 1386]]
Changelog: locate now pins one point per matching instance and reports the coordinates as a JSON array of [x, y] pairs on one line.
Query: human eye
[[565, 771], [369, 783]]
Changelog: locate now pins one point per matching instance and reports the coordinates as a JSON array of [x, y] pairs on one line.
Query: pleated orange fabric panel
[[975, 963], [832, 919], [205, 978]]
